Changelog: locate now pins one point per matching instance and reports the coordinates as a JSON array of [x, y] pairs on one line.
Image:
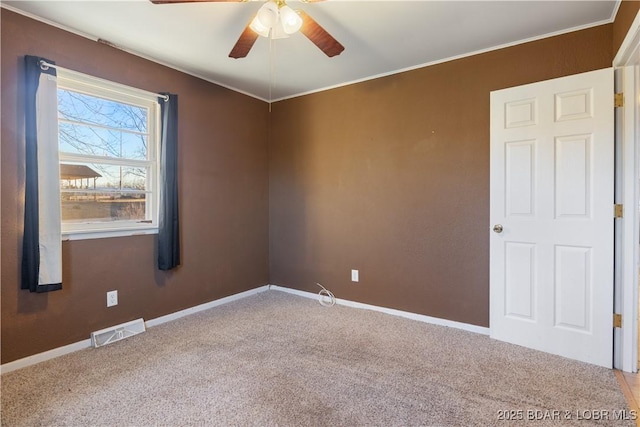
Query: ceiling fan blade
[[194, 1], [319, 36], [244, 43]]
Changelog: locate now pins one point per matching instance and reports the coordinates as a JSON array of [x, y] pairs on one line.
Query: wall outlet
[[354, 275], [112, 298]]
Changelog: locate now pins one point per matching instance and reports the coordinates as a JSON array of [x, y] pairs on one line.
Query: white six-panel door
[[551, 244]]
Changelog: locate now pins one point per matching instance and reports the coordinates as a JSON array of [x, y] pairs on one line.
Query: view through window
[[108, 146]]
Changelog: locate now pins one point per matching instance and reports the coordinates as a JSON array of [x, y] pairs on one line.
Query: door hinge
[[617, 211], [618, 99], [617, 320]]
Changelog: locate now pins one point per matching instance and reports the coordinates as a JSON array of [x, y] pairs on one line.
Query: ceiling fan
[[276, 20]]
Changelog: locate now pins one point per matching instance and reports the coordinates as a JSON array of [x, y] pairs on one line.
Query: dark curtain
[[169, 227], [30, 242]]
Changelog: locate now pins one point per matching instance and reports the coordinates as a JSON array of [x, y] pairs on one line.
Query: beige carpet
[[278, 359]]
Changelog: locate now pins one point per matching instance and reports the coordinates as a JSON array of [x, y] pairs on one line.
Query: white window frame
[[93, 86]]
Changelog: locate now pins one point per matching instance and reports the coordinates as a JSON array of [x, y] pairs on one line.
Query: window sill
[[103, 234]]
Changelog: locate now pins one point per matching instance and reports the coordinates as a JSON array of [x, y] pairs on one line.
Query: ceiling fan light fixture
[[278, 31], [257, 26], [290, 20], [276, 19], [268, 14]]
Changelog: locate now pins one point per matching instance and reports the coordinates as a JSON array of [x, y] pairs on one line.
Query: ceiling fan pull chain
[[272, 50]]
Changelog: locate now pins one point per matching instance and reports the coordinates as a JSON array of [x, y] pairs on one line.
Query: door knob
[[497, 228]]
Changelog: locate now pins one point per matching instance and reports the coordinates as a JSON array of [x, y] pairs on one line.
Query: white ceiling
[[380, 37]]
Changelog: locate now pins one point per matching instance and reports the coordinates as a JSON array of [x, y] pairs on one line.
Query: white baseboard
[[407, 315], [182, 313], [81, 345], [46, 355]]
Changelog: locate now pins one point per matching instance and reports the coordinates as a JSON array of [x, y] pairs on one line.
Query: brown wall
[[626, 14], [391, 177], [223, 173]]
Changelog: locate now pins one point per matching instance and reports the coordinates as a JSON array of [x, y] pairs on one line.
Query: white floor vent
[[116, 333]]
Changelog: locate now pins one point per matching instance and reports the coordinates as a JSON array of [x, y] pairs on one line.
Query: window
[[108, 145]]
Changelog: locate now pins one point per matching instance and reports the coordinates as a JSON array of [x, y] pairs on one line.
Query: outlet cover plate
[[112, 298], [354, 275]]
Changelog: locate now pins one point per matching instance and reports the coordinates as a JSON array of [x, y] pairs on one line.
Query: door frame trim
[[626, 63]]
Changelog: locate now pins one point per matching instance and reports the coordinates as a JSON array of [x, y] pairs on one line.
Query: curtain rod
[[44, 65]]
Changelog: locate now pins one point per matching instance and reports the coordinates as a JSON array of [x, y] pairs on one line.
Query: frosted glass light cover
[[291, 21], [268, 14], [259, 27]]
